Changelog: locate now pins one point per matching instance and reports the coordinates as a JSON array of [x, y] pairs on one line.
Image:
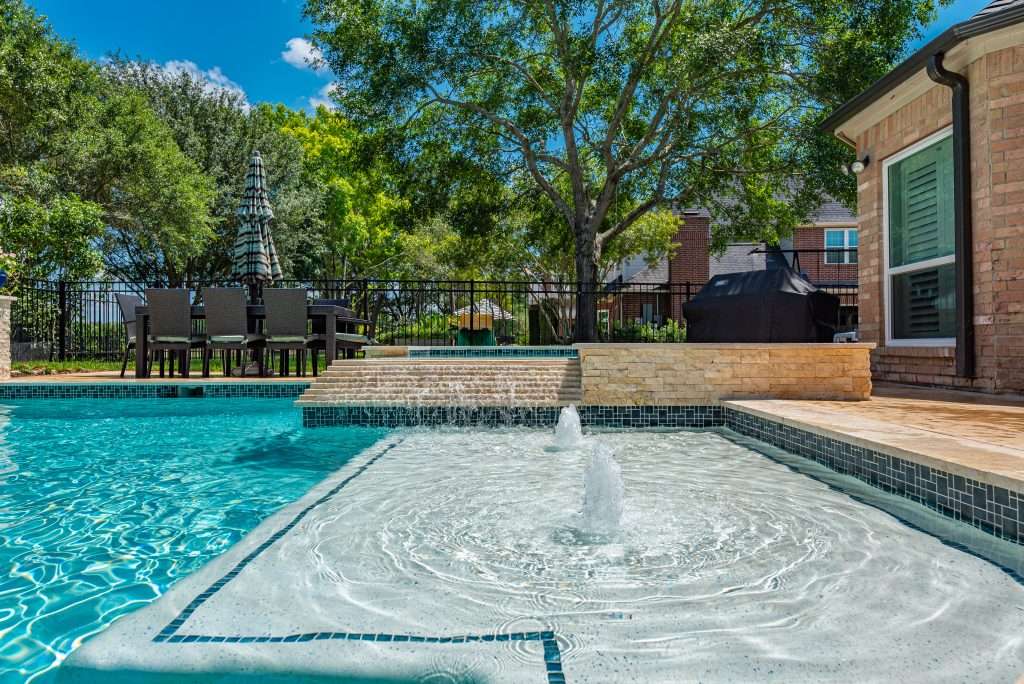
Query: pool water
[[734, 562], [104, 504]]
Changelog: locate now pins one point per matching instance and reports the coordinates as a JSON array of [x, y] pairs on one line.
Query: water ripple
[[105, 504]]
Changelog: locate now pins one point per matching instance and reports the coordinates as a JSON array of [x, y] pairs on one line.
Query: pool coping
[[178, 389]]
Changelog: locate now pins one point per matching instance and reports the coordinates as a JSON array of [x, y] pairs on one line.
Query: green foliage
[[53, 240], [218, 132], [614, 109], [426, 327], [70, 141], [360, 215], [648, 332]]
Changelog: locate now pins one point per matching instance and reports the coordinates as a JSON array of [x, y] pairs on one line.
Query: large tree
[[635, 103], [218, 131], [81, 158]]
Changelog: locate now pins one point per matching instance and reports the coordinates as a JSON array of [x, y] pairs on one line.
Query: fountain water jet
[[568, 432], [602, 492]]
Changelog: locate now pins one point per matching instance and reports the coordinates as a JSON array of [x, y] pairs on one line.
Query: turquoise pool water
[[104, 504]]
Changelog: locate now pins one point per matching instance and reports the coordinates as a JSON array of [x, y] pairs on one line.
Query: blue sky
[[238, 44], [228, 41]]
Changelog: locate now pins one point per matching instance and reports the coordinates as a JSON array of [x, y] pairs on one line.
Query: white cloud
[[323, 97], [213, 79], [302, 54]]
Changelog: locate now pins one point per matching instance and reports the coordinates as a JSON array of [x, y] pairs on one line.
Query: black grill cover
[[761, 306]]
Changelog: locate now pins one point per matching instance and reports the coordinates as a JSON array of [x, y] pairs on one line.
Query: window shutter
[[921, 208]]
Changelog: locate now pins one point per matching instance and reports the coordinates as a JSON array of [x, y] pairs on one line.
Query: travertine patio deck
[[978, 436]]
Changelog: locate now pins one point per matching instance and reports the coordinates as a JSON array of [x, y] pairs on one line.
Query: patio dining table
[[335, 318]]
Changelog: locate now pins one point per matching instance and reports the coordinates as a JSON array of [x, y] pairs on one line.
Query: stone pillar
[[5, 336]]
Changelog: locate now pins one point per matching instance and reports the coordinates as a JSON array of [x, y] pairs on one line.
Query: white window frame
[[845, 256], [888, 272]]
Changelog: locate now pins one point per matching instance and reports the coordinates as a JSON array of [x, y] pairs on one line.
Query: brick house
[[940, 144], [656, 293]]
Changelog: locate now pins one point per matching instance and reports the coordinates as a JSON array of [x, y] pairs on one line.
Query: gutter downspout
[[962, 225]]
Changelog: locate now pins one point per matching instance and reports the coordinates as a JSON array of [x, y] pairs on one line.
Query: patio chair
[[227, 329], [170, 328], [127, 303], [348, 340], [286, 327]]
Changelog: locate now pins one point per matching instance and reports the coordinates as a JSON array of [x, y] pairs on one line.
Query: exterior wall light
[[857, 167]]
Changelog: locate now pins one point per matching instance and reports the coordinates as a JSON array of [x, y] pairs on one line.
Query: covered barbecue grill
[[774, 305]]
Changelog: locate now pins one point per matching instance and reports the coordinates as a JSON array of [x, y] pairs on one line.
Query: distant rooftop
[[998, 6]]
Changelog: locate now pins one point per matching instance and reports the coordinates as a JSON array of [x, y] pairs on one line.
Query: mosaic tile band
[[995, 510], [512, 416], [110, 390], [495, 353]]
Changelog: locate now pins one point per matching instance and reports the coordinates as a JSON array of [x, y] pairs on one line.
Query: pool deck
[[974, 435]]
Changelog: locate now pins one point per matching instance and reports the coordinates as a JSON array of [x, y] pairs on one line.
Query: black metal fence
[[81, 320]]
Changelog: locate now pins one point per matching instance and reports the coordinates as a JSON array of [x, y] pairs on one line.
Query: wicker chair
[[227, 328], [170, 328], [286, 326], [127, 304]]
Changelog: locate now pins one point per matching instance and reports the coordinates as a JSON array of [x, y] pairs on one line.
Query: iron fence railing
[[68, 320]]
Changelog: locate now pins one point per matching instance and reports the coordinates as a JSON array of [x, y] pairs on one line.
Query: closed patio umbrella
[[486, 307], [254, 261]]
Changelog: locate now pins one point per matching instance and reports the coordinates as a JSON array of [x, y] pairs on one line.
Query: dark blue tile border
[[169, 634], [494, 353], [1012, 572], [512, 416], [146, 390], [995, 510]]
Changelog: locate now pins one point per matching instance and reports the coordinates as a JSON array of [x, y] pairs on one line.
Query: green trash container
[[475, 338]]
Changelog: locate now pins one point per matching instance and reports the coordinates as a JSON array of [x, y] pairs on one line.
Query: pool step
[[447, 382]]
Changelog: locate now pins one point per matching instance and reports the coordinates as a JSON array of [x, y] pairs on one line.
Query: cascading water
[[568, 432], [602, 492]]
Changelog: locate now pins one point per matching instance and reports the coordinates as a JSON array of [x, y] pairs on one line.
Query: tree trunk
[[587, 285]]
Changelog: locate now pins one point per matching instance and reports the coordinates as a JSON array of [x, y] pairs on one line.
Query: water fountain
[[568, 432], [602, 492]]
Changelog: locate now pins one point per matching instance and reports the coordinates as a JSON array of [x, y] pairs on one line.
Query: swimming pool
[[104, 504], [460, 555]]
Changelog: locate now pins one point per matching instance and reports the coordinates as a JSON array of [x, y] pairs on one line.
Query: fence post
[[62, 320], [472, 308]]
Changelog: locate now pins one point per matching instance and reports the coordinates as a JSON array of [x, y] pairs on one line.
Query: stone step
[[449, 370], [401, 398], [447, 382], [467, 387], [475, 391]]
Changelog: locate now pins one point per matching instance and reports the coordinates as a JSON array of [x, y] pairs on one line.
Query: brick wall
[[690, 262], [701, 374], [814, 264], [997, 169]]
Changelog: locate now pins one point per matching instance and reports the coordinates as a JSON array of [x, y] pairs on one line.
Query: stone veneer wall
[[704, 374], [997, 171], [5, 336]]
